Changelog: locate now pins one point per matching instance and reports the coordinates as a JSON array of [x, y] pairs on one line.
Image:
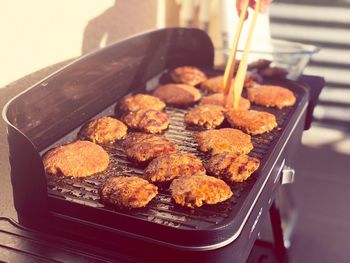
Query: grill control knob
[[288, 174]]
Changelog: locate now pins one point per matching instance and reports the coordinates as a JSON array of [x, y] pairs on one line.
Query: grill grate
[[161, 209]]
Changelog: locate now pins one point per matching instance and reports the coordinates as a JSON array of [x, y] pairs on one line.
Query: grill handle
[[288, 175], [27, 178], [72, 95]]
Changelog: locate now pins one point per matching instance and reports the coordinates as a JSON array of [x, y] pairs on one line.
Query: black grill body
[[51, 112], [202, 228]]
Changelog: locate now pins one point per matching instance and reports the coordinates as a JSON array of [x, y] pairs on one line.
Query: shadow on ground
[[322, 195]]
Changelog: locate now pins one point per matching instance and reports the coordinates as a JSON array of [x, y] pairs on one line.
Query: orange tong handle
[[237, 87], [230, 66]]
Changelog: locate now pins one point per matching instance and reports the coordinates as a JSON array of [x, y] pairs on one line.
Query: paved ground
[[322, 196]]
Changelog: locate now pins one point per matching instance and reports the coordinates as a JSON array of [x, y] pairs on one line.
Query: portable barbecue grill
[[51, 113]]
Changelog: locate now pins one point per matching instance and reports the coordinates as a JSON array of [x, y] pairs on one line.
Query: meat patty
[[251, 121], [152, 121], [218, 99], [188, 75], [227, 139], [213, 85], [252, 79], [274, 72], [232, 167], [196, 190], [177, 94], [77, 159], [103, 130], [141, 101], [130, 192], [206, 116], [216, 84], [271, 96], [259, 64], [167, 167], [143, 147]]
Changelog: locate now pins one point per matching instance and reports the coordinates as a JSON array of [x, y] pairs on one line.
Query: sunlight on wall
[[39, 33], [337, 140]]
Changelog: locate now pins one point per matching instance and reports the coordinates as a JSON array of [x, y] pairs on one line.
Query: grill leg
[[280, 250]]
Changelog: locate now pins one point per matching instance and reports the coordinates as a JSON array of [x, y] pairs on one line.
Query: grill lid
[[62, 101]]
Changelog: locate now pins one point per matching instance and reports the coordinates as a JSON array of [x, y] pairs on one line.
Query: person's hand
[[252, 3]]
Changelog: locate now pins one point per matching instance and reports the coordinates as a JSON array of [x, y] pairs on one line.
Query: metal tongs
[[235, 90]]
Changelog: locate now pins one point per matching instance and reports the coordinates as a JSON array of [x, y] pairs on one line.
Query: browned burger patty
[[188, 75], [251, 121], [259, 64], [232, 166], [206, 116], [271, 96], [177, 94], [274, 72], [77, 159], [103, 130], [216, 84], [131, 192], [213, 85], [252, 79], [227, 139], [167, 167], [141, 101], [218, 99], [196, 190], [151, 121], [143, 147]]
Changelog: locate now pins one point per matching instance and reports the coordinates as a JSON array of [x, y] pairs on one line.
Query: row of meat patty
[[140, 130]]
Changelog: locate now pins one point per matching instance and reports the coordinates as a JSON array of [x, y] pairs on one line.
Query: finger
[[252, 3], [264, 5], [240, 5]]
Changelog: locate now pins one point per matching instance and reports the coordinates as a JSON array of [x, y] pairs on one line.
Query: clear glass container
[[291, 56]]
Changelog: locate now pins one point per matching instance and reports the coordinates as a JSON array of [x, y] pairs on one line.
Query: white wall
[[38, 33]]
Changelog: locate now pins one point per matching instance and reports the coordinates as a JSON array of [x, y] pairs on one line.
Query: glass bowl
[[291, 56]]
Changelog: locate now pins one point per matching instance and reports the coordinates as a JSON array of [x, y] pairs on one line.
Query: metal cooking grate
[[161, 209]]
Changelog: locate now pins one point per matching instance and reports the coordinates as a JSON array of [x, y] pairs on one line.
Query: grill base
[[26, 245]]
